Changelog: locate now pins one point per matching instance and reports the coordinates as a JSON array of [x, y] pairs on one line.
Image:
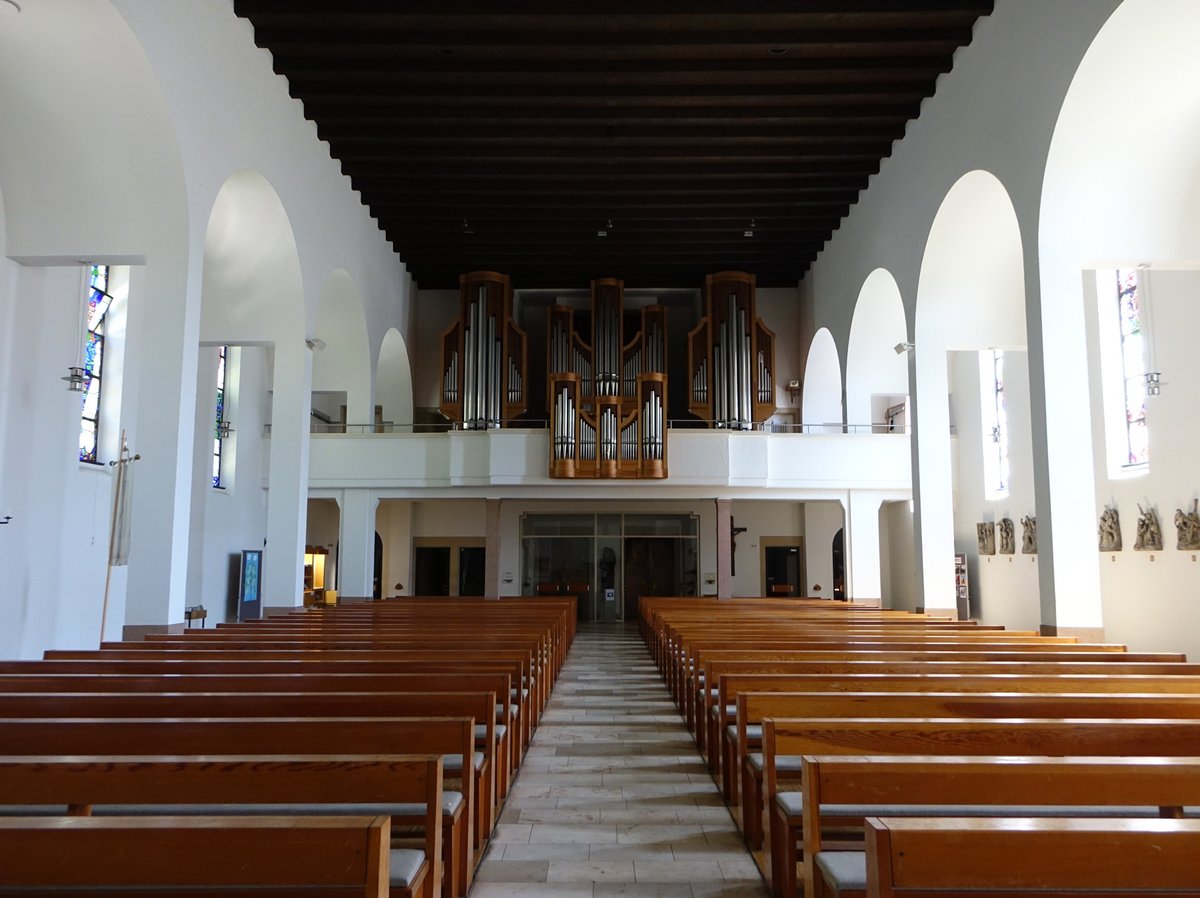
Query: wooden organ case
[[484, 356], [731, 356], [607, 398]]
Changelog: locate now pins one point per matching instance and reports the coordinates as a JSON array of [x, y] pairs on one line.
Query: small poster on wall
[[250, 585]]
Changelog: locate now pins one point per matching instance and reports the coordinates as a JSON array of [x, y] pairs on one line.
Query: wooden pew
[[312, 681], [917, 858], [274, 736], [728, 744], [154, 857], [840, 792], [480, 782], [405, 788], [953, 736]]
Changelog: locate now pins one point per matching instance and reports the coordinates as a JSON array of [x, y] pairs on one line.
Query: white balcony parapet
[[698, 459]]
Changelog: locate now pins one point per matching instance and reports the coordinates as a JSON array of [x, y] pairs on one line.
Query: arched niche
[[821, 403], [970, 297], [1122, 189], [343, 365], [89, 160], [874, 370], [252, 287], [393, 381]]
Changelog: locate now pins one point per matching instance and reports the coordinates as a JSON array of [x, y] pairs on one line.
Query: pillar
[[491, 563], [356, 551], [287, 496], [863, 578], [933, 488], [724, 548]]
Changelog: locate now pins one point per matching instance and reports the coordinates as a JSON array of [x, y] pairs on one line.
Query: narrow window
[[994, 407], [98, 300], [221, 429], [1133, 367]]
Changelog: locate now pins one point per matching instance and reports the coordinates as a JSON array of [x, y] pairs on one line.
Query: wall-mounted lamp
[[314, 343], [224, 429], [76, 377], [5, 519], [793, 387], [904, 347], [1153, 383]]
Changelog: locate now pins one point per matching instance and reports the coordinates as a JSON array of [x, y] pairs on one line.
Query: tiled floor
[[612, 799]]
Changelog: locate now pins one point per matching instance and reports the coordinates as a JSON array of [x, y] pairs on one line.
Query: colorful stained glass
[[1133, 366], [217, 438], [98, 302]]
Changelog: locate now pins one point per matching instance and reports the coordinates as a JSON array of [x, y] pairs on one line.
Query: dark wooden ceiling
[[509, 135]]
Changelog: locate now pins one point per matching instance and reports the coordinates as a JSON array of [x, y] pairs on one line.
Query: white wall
[[897, 560], [436, 311], [1003, 588], [822, 520], [779, 310], [1152, 600], [765, 518]]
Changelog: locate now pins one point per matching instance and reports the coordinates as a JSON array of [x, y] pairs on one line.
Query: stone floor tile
[[590, 871], [512, 871], [677, 871]]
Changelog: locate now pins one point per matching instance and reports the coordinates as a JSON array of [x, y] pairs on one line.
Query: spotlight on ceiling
[[904, 347]]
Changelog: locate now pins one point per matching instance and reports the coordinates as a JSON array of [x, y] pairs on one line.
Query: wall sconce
[[904, 347], [76, 379], [224, 429], [314, 343], [793, 387], [5, 519], [1153, 383]]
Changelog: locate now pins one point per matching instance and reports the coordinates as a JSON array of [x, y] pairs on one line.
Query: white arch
[[344, 364], [873, 367], [393, 381], [252, 290], [821, 403], [1121, 188], [970, 295]]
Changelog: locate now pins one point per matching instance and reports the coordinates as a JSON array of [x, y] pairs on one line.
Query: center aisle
[[613, 798]]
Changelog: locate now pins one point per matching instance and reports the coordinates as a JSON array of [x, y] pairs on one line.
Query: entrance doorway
[[448, 567], [782, 563]]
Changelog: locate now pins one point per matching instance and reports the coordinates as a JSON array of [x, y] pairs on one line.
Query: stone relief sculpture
[[1187, 528], [1110, 530], [985, 535], [1149, 533], [1029, 535], [1007, 534]]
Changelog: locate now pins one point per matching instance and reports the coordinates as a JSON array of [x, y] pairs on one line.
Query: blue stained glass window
[[1133, 366], [218, 438], [98, 301]]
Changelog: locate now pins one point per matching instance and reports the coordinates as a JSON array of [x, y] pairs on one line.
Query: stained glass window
[[219, 428], [98, 301], [1133, 367], [994, 406]]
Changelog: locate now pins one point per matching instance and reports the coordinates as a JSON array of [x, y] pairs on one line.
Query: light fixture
[[603, 232], [224, 429], [778, 51], [315, 343], [5, 519], [749, 232], [9, 7], [76, 377], [467, 229], [904, 347], [1153, 383]]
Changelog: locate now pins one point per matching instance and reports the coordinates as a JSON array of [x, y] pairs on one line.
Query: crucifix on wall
[[733, 535]]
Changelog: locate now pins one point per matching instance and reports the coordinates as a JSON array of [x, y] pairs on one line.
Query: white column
[[356, 551], [724, 548], [158, 402], [287, 497], [933, 488], [491, 564], [863, 578], [1063, 461]]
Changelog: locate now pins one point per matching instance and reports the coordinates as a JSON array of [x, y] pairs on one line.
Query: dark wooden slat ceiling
[[509, 135]]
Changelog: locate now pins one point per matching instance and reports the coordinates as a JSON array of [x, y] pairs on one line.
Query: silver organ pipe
[[765, 388], [652, 427], [608, 434], [587, 441], [629, 448]]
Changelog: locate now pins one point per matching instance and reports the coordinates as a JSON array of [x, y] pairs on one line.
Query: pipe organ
[[607, 396], [484, 356], [731, 356]]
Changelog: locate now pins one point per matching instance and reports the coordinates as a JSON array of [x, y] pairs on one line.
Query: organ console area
[[607, 395], [484, 356], [731, 356]]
